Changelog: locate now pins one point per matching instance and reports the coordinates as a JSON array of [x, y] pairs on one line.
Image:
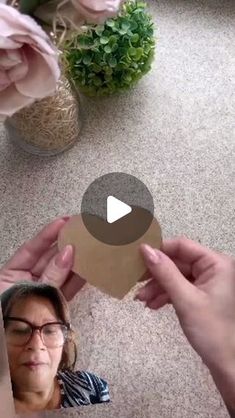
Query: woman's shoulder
[[83, 387]]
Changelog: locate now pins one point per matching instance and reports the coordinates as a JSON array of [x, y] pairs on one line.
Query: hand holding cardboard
[[114, 269]]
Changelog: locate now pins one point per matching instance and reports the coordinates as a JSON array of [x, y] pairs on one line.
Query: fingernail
[[66, 218], [63, 259], [152, 256]]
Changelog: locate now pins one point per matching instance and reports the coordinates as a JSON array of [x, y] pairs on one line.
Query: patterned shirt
[[81, 388]]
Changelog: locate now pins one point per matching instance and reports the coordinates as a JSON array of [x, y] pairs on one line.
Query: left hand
[[39, 260]]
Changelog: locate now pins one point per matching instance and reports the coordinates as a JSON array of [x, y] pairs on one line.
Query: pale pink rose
[[97, 11], [29, 67]]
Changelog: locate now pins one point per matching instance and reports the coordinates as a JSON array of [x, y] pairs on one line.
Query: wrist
[[223, 374]]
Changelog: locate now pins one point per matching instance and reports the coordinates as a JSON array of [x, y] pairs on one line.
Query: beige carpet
[[175, 131]]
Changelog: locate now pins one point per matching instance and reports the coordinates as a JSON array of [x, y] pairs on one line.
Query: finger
[[204, 265], [40, 266], [184, 249], [72, 286], [30, 252], [184, 267], [59, 268], [9, 278], [167, 275], [158, 302], [150, 291]]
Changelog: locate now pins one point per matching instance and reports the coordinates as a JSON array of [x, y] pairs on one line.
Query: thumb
[[168, 276], [59, 268]]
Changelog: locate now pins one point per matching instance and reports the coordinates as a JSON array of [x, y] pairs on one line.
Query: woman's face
[[37, 311]]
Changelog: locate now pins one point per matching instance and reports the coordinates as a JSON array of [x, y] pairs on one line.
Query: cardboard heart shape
[[114, 269]]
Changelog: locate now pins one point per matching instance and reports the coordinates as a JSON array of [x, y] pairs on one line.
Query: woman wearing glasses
[[42, 351]]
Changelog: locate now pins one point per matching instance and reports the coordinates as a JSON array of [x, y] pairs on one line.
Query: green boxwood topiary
[[112, 57]]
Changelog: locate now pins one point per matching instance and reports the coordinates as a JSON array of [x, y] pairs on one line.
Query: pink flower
[[97, 11], [28, 62]]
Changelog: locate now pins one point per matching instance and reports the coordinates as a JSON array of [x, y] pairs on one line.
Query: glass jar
[[48, 126]]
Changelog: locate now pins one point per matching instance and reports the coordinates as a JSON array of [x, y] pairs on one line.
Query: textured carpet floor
[[175, 131]]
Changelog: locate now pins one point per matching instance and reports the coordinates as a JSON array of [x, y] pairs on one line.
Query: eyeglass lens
[[19, 333]]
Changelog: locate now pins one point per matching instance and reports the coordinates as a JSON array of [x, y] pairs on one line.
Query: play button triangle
[[116, 209]]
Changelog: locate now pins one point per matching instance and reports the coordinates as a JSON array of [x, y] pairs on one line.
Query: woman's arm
[[224, 378], [200, 284]]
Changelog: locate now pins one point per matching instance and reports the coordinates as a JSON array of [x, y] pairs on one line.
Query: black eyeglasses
[[19, 332]]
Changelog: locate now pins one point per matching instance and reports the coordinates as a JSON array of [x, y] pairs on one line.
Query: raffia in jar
[[51, 125], [48, 126]]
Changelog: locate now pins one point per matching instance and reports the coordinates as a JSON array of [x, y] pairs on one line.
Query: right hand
[[200, 284]]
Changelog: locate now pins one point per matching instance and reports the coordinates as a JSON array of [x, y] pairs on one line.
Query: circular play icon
[[117, 208]]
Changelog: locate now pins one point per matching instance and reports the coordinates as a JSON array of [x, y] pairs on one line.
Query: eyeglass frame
[[38, 328]]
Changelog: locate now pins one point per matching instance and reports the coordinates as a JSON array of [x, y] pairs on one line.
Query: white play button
[[116, 209], [107, 218]]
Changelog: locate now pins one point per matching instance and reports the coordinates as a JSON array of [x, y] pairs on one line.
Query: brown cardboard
[[112, 269]]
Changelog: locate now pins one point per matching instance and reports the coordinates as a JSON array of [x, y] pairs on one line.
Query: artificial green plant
[[112, 57]]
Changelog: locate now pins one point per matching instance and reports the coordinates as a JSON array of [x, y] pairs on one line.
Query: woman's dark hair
[[23, 290]]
